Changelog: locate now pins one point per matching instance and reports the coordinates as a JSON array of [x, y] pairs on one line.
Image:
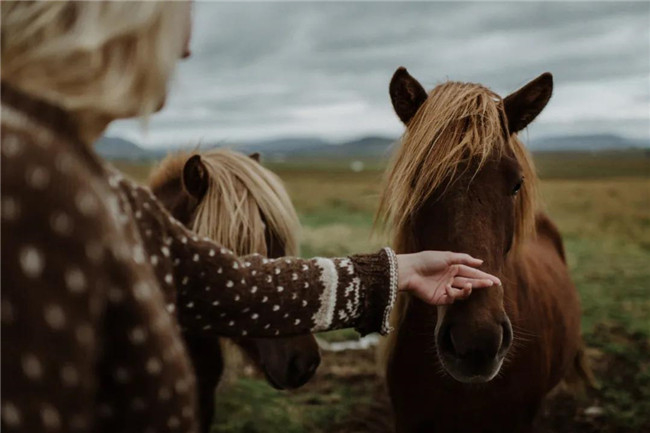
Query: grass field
[[602, 206]]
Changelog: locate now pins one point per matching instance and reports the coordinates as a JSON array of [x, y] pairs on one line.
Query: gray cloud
[[263, 70]]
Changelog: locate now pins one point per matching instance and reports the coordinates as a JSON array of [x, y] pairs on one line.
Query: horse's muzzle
[[474, 354]]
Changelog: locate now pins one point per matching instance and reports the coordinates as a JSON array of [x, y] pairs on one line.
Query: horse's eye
[[517, 187]]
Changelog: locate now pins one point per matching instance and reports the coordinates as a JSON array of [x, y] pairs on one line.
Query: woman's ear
[[195, 177], [525, 104], [406, 93]]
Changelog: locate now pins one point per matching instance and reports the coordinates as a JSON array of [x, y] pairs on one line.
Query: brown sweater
[[95, 289]]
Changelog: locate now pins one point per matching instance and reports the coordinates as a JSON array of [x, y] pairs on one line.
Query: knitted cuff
[[386, 328], [378, 274]]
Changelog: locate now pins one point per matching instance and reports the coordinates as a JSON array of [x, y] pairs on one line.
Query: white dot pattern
[[51, 418], [54, 316], [31, 261], [32, 366], [61, 223], [75, 280], [11, 415], [117, 281]]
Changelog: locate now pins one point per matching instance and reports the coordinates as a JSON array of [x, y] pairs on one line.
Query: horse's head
[[466, 184], [234, 200]]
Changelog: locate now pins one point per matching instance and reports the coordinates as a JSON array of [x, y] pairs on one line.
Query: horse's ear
[[406, 93], [255, 156], [195, 177], [525, 104]]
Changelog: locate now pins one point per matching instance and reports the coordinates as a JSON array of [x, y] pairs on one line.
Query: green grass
[[253, 407], [612, 278]]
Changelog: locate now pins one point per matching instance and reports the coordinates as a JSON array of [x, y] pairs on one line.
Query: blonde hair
[[242, 200], [112, 59], [458, 123]]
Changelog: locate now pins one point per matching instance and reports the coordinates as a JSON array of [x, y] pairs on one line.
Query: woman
[[89, 342]]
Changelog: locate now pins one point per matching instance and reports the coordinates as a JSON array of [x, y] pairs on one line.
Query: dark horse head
[[232, 199], [462, 181]]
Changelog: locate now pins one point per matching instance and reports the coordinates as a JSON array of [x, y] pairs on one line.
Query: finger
[[475, 283], [463, 259], [449, 291], [461, 293], [464, 294], [467, 272], [442, 299]]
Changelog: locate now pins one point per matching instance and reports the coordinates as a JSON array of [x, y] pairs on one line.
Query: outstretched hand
[[440, 278]]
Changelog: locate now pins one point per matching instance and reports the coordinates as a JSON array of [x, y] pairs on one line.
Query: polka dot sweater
[[100, 283]]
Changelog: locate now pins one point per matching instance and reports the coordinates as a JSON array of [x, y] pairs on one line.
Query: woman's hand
[[440, 278]]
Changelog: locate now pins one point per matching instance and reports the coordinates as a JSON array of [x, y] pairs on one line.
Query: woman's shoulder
[[50, 191], [36, 158]]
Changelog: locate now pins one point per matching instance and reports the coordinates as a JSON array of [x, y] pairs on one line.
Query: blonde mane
[[242, 200], [458, 123]]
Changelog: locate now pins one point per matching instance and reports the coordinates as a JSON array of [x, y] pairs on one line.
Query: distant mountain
[[281, 145], [367, 147], [586, 143], [115, 148]]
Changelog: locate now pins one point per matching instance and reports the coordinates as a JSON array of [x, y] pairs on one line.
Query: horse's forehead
[[510, 163]]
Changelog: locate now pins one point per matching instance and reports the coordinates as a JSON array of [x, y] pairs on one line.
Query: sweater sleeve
[[219, 293]]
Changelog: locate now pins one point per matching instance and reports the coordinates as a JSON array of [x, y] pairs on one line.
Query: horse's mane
[[169, 170], [458, 123], [242, 200]]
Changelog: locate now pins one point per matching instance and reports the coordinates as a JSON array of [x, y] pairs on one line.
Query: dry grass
[[617, 208]]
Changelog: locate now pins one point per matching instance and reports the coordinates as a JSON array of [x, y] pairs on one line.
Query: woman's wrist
[[404, 271]]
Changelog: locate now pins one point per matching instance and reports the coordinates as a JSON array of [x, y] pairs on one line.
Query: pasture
[[601, 203]]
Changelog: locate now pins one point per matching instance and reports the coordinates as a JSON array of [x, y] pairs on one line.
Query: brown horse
[[463, 181], [230, 198]]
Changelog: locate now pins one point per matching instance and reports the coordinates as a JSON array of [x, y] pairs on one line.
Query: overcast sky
[[269, 70]]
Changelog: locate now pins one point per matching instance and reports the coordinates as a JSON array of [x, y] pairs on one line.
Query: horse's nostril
[[455, 349], [294, 365], [477, 346], [302, 368]]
